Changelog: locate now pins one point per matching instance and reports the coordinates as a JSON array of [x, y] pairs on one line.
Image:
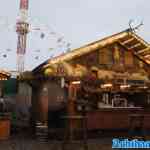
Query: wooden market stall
[[111, 76], [4, 115]]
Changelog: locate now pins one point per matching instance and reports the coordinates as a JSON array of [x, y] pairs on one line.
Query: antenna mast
[[22, 28]]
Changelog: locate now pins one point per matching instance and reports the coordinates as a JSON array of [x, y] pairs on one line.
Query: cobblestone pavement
[[26, 143]]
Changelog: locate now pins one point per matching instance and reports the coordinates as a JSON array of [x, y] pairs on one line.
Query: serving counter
[[116, 118]]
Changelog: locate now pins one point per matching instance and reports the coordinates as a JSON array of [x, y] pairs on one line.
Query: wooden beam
[[139, 39], [142, 58], [145, 53], [147, 56], [148, 61], [128, 41], [134, 46], [144, 50], [137, 55]]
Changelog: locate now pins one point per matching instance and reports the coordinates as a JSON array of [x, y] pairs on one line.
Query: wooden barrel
[[4, 129]]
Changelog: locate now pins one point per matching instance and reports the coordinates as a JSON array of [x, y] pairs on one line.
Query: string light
[[76, 82], [125, 86], [42, 35], [107, 85], [37, 57], [44, 31], [4, 55], [37, 50]]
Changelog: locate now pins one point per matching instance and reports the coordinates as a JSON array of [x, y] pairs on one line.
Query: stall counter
[[115, 118]]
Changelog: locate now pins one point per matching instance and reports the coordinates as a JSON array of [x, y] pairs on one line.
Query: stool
[[136, 129], [69, 131], [41, 132]]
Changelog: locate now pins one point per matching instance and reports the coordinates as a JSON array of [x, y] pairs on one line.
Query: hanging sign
[[61, 70]]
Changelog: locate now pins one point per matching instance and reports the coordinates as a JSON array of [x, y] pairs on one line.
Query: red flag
[[24, 4]]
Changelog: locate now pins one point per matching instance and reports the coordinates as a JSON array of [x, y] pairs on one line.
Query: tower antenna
[[134, 28], [22, 28]]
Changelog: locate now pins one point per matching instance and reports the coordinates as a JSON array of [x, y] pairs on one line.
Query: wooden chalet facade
[[112, 75], [4, 115]]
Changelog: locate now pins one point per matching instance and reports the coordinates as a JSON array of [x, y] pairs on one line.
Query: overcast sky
[[78, 22]]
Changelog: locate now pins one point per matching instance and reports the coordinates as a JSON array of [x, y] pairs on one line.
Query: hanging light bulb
[[42, 35], [68, 44], [50, 49], [8, 49], [37, 50], [4, 55], [53, 33], [37, 57], [59, 39]]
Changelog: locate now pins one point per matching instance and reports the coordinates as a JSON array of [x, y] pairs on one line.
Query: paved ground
[[33, 145], [27, 143]]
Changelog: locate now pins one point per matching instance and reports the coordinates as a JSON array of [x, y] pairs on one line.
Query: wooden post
[[43, 101], [71, 104], [71, 99]]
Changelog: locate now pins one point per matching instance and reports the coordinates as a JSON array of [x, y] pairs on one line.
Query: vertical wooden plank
[[128, 59], [103, 58], [71, 100], [43, 103], [106, 56], [71, 105]]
